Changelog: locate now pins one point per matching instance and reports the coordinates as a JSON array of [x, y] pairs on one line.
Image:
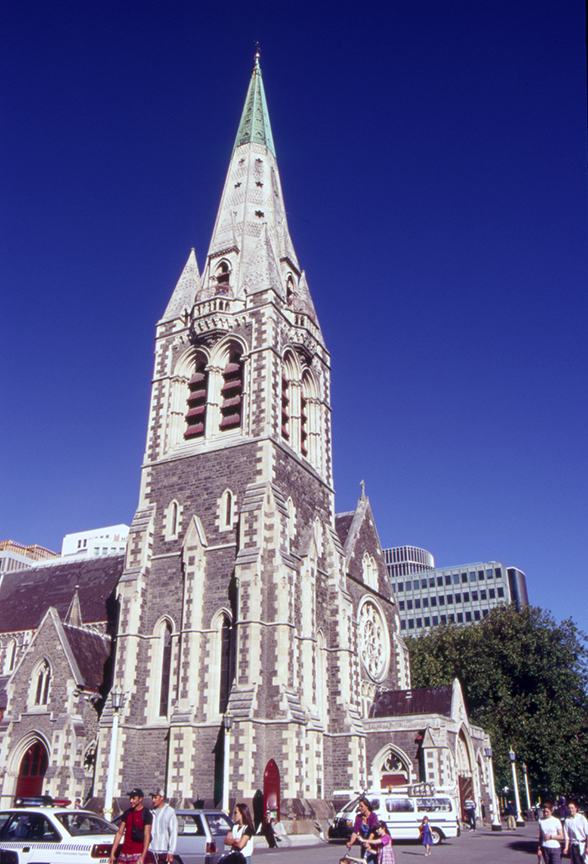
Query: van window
[[399, 805], [434, 805]]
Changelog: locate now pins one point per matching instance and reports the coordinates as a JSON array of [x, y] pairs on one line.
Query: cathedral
[[249, 634]]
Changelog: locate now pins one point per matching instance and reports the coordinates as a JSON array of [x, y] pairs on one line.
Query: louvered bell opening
[[285, 433], [196, 413], [230, 421], [194, 431], [196, 396], [196, 379], [231, 384], [303, 432], [231, 403]]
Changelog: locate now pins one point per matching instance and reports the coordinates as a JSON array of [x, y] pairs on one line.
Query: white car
[[55, 835]]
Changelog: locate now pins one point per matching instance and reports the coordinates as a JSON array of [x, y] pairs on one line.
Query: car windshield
[[80, 824], [218, 823]]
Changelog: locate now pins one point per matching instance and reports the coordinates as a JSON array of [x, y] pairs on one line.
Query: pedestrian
[[365, 824], [164, 833], [425, 835], [575, 831], [78, 804], [511, 816], [136, 826], [383, 842], [470, 809], [550, 834], [240, 837]]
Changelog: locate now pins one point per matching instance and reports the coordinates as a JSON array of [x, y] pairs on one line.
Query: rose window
[[374, 649]]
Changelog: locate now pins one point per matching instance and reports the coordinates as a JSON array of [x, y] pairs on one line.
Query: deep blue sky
[[433, 160]]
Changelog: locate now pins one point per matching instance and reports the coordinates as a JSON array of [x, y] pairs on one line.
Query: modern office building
[[402, 560], [454, 595]]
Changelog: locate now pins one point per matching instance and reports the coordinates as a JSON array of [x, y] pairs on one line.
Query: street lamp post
[[496, 823], [526, 776], [117, 698], [513, 764], [227, 723]]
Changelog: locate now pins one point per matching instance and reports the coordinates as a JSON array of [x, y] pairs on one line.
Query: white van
[[403, 814]]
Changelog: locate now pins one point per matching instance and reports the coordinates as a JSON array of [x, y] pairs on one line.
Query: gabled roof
[[426, 700], [25, 595], [91, 652]]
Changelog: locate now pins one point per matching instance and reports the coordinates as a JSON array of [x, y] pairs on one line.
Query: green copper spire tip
[[255, 127]]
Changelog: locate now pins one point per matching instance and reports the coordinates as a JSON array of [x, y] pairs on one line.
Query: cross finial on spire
[[362, 484], [257, 53]]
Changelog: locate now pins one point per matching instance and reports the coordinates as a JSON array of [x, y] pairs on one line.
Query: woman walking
[[426, 836], [550, 833], [364, 824]]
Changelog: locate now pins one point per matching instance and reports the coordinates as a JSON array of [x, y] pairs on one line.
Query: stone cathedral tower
[[242, 592]]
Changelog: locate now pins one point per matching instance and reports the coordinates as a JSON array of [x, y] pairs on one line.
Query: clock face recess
[[374, 646]]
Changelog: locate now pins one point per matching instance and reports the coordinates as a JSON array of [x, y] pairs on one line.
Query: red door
[[32, 770], [271, 791]]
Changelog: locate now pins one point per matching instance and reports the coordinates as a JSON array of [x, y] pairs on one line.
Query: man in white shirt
[[575, 832], [164, 832], [550, 834]]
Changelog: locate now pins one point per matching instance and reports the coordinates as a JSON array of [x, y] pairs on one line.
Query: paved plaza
[[480, 846]]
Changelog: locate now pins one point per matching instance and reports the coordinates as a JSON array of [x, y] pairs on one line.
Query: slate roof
[[91, 651], [25, 595], [343, 524], [426, 700]]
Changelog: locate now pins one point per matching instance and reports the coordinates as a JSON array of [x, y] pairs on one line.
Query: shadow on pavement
[[528, 846]]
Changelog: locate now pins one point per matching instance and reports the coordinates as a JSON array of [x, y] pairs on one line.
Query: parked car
[[55, 835], [201, 836]]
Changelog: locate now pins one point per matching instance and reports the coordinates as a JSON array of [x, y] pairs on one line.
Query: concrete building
[[16, 556], [455, 595], [249, 629], [97, 541]]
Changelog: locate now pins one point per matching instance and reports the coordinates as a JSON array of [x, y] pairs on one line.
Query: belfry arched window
[[232, 392], [196, 416], [223, 277]]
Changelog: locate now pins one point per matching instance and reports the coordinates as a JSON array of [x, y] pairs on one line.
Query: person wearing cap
[[164, 834], [136, 825]]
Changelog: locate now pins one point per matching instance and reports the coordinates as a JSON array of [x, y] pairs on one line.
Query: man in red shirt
[[136, 826]]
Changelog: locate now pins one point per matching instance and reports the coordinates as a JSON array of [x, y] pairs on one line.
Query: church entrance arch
[[464, 772], [33, 766], [271, 791]]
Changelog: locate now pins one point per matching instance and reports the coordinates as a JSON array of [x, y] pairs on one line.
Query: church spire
[[251, 223], [254, 127]]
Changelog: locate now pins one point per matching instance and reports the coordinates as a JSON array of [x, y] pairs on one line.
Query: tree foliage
[[525, 681]]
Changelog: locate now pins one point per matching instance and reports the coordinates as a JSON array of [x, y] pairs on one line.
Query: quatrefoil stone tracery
[[372, 641]]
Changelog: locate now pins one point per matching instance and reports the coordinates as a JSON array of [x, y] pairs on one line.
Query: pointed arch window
[[228, 509], [225, 663], [42, 686], [174, 519], [10, 660], [232, 392], [285, 408], [165, 670], [196, 416]]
